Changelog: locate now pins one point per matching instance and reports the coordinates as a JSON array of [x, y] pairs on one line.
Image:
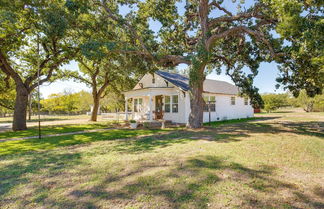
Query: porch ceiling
[[149, 91]]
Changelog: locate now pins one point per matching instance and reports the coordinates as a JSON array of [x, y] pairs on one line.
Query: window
[[153, 80], [246, 101], [167, 103], [210, 104], [206, 99], [171, 104], [232, 100], [175, 103], [138, 105]]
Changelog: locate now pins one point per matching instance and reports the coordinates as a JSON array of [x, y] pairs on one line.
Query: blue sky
[[265, 80]]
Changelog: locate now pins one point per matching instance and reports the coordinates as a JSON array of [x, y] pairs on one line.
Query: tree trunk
[[95, 108], [197, 79], [20, 112]]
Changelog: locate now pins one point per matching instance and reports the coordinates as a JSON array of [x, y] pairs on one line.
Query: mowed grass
[[57, 129], [47, 118], [273, 162]]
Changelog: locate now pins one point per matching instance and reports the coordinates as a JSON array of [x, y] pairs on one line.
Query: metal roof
[[210, 86], [176, 79]]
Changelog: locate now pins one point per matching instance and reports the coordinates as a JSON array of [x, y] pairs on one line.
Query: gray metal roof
[[210, 86]]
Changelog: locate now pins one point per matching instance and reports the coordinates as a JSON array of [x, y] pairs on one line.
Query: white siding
[[180, 116], [226, 111], [147, 81]]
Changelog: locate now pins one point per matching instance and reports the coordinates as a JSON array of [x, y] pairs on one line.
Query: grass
[[27, 145], [47, 118], [47, 130], [270, 163], [218, 123]]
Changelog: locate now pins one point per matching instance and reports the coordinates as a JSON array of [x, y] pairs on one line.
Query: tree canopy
[[206, 35]]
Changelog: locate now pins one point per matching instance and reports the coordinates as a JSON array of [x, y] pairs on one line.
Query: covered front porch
[[146, 104]]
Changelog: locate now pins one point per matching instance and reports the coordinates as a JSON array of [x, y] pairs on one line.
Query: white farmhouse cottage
[[165, 95]]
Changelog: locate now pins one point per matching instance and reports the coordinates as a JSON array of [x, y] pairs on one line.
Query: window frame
[[137, 104], [173, 107], [233, 100], [175, 104], [210, 103], [246, 101], [167, 104]]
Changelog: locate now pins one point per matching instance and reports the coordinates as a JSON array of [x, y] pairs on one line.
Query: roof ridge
[[174, 73]]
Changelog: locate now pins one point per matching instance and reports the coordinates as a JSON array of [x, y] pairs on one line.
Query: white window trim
[[234, 100], [209, 96], [171, 103], [246, 101], [137, 104]]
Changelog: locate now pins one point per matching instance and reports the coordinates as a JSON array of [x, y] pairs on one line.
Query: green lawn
[[46, 130], [274, 162], [47, 118]]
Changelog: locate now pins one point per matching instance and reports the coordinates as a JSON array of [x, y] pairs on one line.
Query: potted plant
[[133, 124]]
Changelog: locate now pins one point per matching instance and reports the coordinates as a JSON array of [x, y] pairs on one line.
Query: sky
[[265, 80]]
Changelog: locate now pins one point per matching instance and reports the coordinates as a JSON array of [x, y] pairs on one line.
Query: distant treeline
[[72, 103], [80, 103], [309, 104]]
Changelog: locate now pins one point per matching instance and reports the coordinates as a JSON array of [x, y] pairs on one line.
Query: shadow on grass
[[36, 120], [191, 184], [18, 174], [234, 121], [57, 129], [35, 144], [133, 141]]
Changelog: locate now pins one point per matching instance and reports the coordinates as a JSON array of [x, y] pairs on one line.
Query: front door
[[158, 107]]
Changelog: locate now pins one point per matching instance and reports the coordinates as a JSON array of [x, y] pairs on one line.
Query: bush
[[274, 101]]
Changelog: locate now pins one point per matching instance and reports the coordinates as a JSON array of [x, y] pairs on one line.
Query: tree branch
[[218, 6], [242, 29], [10, 107], [8, 70], [105, 84], [126, 24], [242, 16]]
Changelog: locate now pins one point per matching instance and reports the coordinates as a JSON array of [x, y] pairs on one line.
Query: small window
[[153, 80], [232, 100], [206, 98], [138, 105], [167, 103], [175, 103], [210, 104], [246, 101]]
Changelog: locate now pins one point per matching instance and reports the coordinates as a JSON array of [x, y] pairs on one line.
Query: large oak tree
[[34, 40], [208, 35]]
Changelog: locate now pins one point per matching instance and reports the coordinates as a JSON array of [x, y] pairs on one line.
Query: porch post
[[133, 114], [150, 107], [126, 107]]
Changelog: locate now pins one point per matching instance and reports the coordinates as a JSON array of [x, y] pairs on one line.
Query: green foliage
[[71, 103], [310, 104], [301, 25], [274, 101], [7, 94]]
